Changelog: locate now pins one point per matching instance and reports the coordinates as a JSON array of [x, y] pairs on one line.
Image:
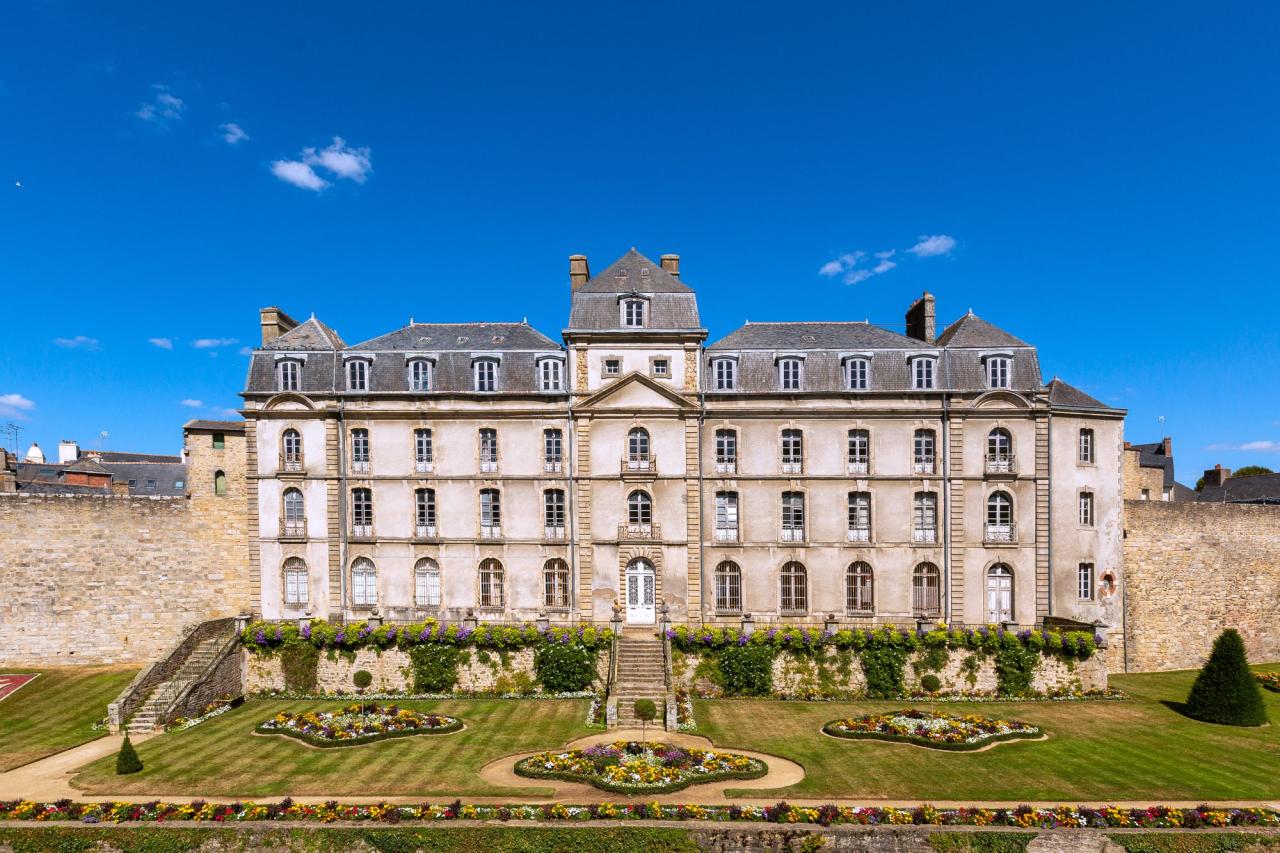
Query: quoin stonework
[[789, 471]]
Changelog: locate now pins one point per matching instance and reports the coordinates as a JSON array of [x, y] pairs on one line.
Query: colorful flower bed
[[266, 636], [357, 724], [215, 708], [636, 767], [1064, 816], [932, 729], [1269, 680]]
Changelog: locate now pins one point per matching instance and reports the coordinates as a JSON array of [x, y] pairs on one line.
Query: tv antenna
[[11, 431]]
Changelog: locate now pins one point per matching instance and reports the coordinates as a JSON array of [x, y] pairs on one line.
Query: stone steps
[[151, 711], [641, 675]]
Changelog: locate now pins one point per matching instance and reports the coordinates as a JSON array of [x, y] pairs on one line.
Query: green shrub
[[564, 667], [127, 761], [1015, 668], [434, 668], [1225, 691], [883, 666], [931, 683], [362, 679], [300, 663], [747, 670]]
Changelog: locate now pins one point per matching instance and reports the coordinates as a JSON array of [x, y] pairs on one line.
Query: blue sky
[[1101, 181]]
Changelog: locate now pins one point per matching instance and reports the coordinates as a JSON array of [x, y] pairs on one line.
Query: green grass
[[223, 757], [57, 710], [1141, 749]]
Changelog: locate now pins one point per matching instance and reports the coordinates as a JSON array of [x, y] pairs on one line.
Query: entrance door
[[641, 609], [999, 594]]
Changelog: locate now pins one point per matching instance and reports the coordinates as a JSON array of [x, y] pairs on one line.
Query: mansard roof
[[466, 337], [672, 304], [1062, 394], [973, 331], [815, 336], [311, 335]]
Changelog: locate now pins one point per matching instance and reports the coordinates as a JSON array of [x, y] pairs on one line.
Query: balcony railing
[[792, 466], [640, 462], [1000, 533], [923, 465], [291, 463], [726, 464], [552, 466], [640, 532], [554, 533], [362, 531], [360, 466], [791, 534], [924, 534], [293, 528], [726, 534], [424, 466], [859, 534], [859, 466], [491, 531], [488, 465], [1002, 463], [425, 531]]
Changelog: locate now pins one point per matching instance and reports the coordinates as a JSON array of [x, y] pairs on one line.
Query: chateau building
[[789, 472]]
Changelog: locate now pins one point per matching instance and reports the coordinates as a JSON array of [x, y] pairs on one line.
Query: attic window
[[424, 340], [462, 339], [644, 271], [808, 338], [497, 339]]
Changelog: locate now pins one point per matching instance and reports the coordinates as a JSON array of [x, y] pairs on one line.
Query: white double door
[[641, 607]]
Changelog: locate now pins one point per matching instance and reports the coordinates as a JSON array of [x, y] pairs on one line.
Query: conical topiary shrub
[[1225, 691], [128, 761]]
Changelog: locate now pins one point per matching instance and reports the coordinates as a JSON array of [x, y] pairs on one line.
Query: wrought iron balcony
[[424, 466], [491, 531], [923, 465], [859, 534], [859, 466], [293, 528], [362, 531], [924, 535], [1000, 534], [554, 533], [360, 466], [726, 464], [552, 466], [292, 463], [640, 532], [727, 534], [425, 531], [791, 534], [1002, 463]]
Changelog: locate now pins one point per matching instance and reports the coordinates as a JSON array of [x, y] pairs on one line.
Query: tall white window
[[794, 597], [1086, 446], [638, 458], [296, 590], [553, 513], [792, 517], [552, 450], [424, 501], [295, 514], [1000, 526], [288, 376], [857, 374], [639, 511], [725, 371], [1086, 509], [859, 516], [484, 373], [488, 450], [423, 450], [999, 594], [291, 450], [550, 374], [924, 517], [426, 583], [999, 451], [726, 451], [998, 371], [490, 514], [790, 374], [859, 589], [923, 458], [1084, 582], [357, 374], [419, 374], [726, 516], [728, 578], [491, 584], [922, 373], [859, 451], [362, 512], [926, 588], [792, 451], [364, 582], [633, 313], [555, 584], [360, 451]]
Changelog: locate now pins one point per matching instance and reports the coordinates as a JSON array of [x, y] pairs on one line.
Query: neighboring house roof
[[149, 478], [1184, 493], [1153, 456], [973, 331], [672, 305], [311, 335], [144, 478], [1260, 488], [464, 337], [84, 465], [1062, 394], [214, 426], [105, 456]]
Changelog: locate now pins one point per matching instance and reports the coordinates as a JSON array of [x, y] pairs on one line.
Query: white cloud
[[15, 406], [339, 159], [1263, 446], [163, 108], [857, 276], [932, 246], [831, 268], [228, 413], [299, 174], [78, 342], [846, 266], [163, 343], [193, 404], [210, 343], [232, 133], [246, 350]]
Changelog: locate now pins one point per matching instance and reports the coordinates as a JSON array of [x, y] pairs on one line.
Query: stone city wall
[[1193, 569]]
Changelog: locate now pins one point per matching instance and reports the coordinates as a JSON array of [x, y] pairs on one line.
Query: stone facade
[[1194, 569], [115, 578]]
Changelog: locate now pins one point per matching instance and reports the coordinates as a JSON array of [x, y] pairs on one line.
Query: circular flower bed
[[357, 724], [932, 729], [635, 767]]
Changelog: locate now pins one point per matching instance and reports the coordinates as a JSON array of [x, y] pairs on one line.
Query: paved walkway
[[49, 778]]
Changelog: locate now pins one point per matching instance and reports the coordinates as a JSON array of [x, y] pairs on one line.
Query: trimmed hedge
[[631, 790], [262, 636], [456, 725]]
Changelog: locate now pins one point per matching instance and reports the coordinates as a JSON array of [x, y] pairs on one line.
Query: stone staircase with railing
[[151, 712], [641, 674]]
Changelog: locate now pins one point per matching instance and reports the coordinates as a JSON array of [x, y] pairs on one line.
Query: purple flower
[[306, 631], [743, 639], [1024, 635], [260, 637], [391, 633], [671, 633], [464, 632], [279, 632], [341, 636]]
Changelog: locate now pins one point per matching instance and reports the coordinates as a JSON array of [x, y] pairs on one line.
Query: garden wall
[[1191, 570]]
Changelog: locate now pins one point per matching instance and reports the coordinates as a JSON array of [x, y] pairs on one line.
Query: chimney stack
[[671, 263], [1167, 446], [274, 324], [68, 451], [1216, 476], [579, 272], [922, 319]]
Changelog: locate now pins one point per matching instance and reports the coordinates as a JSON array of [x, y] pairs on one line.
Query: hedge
[[680, 785], [262, 636], [1069, 644]]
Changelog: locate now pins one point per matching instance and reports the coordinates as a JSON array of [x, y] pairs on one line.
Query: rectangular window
[[423, 452], [360, 451], [295, 586], [726, 374], [793, 516], [633, 312], [726, 516], [426, 588], [1084, 582], [552, 450], [362, 512], [490, 514], [549, 373], [726, 451], [553, 510], [288, 376], [790, 374], [486, 374], [923, 457], [924, 521], [1086, 446], [488, 450], [857, 374], [219, 441], [792, 451], [420, 375], [922, 370], [997, 372], [425, 506], [612, 366], [859, 451], [1086, 509], [859, 516], [661, 367], [357, 375]]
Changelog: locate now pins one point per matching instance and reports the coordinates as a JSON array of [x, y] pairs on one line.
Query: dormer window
[[420, 373], [288, 375], [633, 313], [485, 374], [725, 373], [923, 372], [550, 375], [998, 371], [857, 373], [357, 375], [790, 374]]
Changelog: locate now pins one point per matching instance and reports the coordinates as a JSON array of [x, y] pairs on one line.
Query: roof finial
[[970, 312]]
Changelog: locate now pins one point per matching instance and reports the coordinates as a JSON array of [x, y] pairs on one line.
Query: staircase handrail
[[162, 669]]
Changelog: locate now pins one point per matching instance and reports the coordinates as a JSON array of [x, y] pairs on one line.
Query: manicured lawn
[[57, 710], [1131, 750], [223, 757]]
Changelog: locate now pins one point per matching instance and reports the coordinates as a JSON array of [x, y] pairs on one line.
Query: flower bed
[[1063, 816], [635, 767], [357, 724], [266, 636], [1269, 680], [932, 729], [215, 708], [1074, 644]]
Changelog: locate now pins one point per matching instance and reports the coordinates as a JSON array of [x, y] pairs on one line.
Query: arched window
[[924, 451], [491, 589], [362, 512], [999, 451], [424, 504], [728, 587], [639, 510], [555, 584], [794, 596], [1000, 527], [291, 450], [288, 375], [219, 482], [295, 581], [999, 594], [295, 513], [860, 589], [426, 583], [926, 588], [364, 582], [360, 451], [638, 449], [550, 373]]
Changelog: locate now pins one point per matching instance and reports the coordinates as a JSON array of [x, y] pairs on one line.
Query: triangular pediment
[[639, 392]]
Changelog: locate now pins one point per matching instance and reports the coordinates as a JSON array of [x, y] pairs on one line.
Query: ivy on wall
[[434, 668]]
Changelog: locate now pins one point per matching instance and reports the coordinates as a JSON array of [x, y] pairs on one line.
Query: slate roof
[[215, 426], [1069, 396], [106, 456], [149, 478], [463, 337], [973, 331], [309, 336], [672, 304], [1258, 489], [815, 336], [84, 465], [1153, 456]]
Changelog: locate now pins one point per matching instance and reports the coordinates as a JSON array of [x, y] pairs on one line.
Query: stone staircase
[[149, 715], [640, 675]]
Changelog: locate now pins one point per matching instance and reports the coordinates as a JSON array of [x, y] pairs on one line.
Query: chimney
[[274, 324], [68, 451], [1166, 446], [579, 272], [671, 263], [921, 319], [8, 471], [1216, 476]]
